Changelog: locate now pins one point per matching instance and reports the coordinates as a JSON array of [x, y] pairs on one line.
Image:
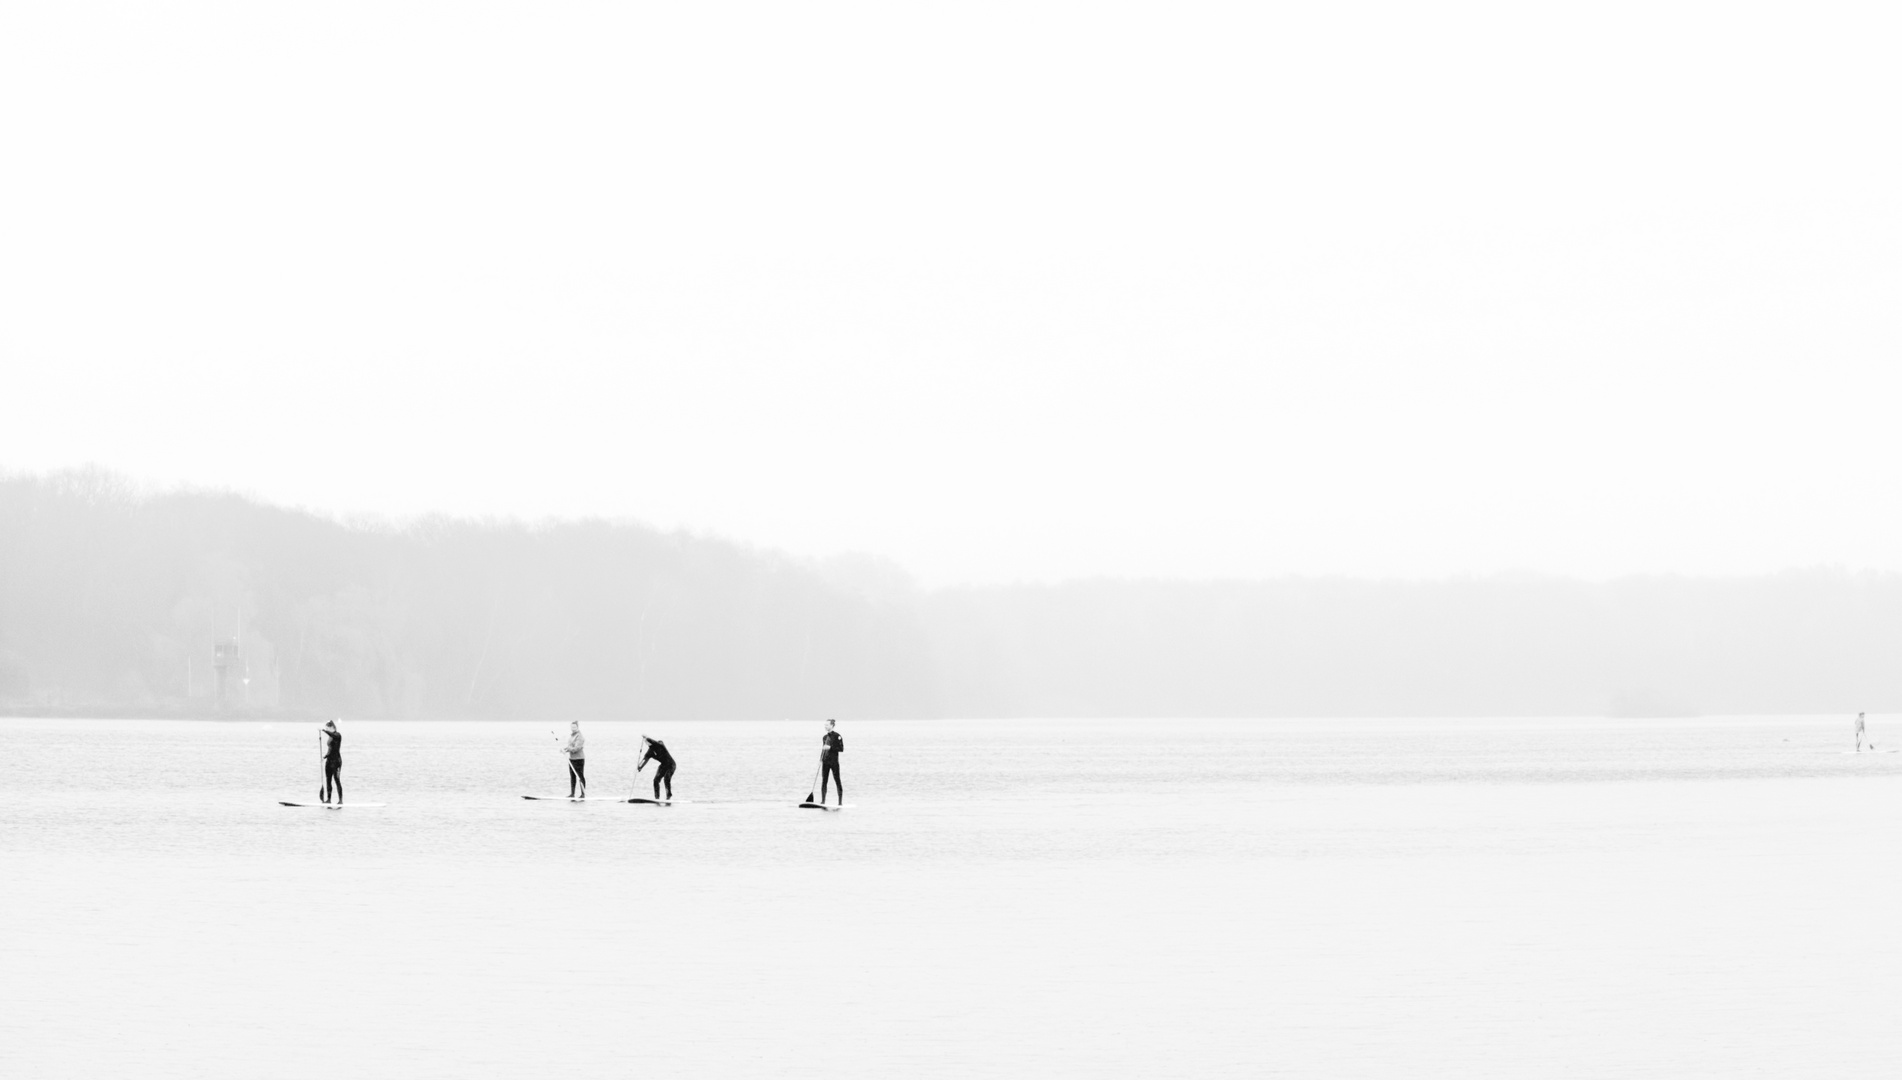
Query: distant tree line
[[114, 601], [119, 602]]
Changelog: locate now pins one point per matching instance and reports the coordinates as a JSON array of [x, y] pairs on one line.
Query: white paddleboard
[[651, 802], [830, 808], [559, 798], [328, 805]]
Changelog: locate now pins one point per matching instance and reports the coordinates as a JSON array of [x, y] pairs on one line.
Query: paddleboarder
[[577, 763], [1858, 733], [831, 745], [655, 750], [330, 746]]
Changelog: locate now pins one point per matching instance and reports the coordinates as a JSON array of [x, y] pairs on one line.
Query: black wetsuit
[[657, 751], [333, 764], [829, 765]]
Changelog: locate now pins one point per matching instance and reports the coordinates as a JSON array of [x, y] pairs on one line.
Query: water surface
[[1466, 898]]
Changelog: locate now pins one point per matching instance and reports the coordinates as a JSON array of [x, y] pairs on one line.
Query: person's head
[[830, 724], [574, 725], [332, 725]]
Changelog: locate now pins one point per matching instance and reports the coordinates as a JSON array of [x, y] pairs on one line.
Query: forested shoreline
[[117, 602]]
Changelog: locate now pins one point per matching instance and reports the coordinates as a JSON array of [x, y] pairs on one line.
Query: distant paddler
[[577, 764], [1859, 734], [330, 749], [831, 745], [656, 751]]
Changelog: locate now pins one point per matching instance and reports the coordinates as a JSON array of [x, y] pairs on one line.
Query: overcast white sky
[[1012, 291]]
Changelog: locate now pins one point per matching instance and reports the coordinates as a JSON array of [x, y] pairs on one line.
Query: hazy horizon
[[1349, 538], [115, 601]]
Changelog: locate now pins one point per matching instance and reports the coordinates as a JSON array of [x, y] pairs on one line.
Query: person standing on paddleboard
[[577, 765], [330, 741], [655, 750], [831, 745], [1858, 733]]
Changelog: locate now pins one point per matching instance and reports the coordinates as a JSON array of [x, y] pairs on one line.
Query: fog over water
[[212, 604], [1344, 540]]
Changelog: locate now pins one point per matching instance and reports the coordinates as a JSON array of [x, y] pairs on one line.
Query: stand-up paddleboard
[[830, 808], [329, 805], [651, 802], [558, 798]]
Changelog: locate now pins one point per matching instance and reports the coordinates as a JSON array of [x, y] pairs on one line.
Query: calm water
[[1706, 897]]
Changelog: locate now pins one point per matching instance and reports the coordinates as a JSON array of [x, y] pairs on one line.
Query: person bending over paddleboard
[[655, 750], [577, 765], [330, 745], [831, 745]]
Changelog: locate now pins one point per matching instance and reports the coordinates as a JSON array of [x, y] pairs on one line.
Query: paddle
[[815, 777], [561, 747]]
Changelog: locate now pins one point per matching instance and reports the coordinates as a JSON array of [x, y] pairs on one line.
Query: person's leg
[[658, 773], [669, 777], [581, 774], [573, 777], [333, 774], [831, 774], [825, 777]]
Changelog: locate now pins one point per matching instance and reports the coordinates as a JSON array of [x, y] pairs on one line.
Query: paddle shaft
[[562, 748], [323, 769], [815, 777]]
